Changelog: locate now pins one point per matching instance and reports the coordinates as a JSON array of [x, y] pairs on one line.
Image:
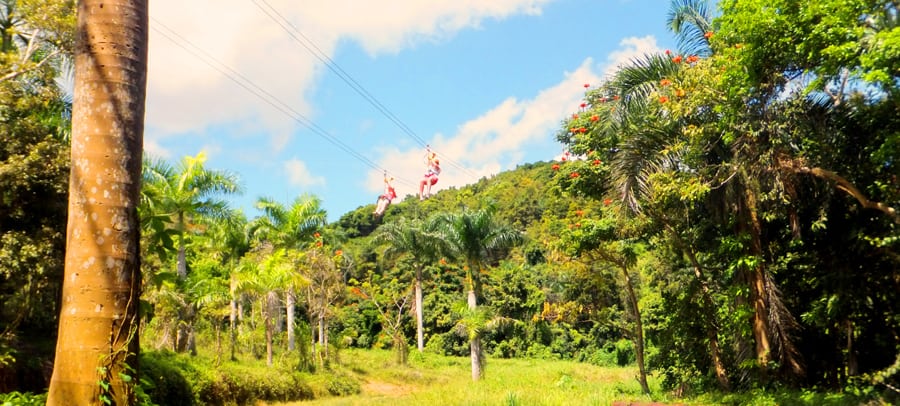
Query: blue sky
[[485, 83]]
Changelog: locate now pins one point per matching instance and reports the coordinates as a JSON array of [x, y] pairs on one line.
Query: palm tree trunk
[[271, 300], [638, 331], [98, 324], [420, 331], [475, 350], [181, 264], [757, 281], [233, 316], [291, 301], [321, 325]]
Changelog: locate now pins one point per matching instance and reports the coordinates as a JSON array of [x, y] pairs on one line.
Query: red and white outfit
[[385, 199], [431, 175]]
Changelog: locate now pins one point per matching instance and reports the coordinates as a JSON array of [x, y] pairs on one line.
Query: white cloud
[[298, 174], [153, 149], [244, 44], [495, 140], [632, 48]]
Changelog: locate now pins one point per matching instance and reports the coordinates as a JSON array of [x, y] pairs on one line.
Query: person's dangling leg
[[380, 206]]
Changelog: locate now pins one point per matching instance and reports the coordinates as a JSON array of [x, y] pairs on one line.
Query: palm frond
[[639, 156], [634, 82], [690, 20]]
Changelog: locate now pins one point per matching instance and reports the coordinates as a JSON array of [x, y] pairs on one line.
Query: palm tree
[[476, 238], [266, 274], [423, 246], [98, 324], [186, 198], [290, 228], [187, 195]]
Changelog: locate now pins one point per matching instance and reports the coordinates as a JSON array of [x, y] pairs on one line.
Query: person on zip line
[[433, 165], [385, 199]]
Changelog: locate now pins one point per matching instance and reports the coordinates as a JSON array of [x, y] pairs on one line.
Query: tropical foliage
[[725, 220]]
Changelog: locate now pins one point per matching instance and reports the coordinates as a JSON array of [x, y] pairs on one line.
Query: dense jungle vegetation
[[725, 221]]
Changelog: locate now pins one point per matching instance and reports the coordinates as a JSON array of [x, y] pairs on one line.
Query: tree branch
[[841, 184], [17, 73]]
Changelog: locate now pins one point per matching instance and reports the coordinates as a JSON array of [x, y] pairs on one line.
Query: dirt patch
[[385, 389]]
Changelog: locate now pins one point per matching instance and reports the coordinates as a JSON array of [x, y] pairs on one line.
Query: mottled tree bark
[[98, 327]]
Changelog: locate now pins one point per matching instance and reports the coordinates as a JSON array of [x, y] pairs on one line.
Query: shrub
[[341, 384], [624, 352], [22, 399], [167, 384], [178, 380]]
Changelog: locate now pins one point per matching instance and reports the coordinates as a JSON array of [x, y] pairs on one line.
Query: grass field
[[438, 380]]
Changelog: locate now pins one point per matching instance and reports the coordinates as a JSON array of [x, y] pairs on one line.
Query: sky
[[322, 97]]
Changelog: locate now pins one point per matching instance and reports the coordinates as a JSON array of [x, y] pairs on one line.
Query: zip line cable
[[317, 52], [310, 46], [264, 95]]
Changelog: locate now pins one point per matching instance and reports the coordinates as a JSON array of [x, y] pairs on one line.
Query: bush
[[22, 399], [435, 344], [341, 384], [178, 380], [624, 352], [167, 385]]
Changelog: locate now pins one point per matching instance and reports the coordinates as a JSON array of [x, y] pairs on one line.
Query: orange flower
[[579, 213], [359, 293], [555, 167], [665, 82], [318, 243], [338, 252], [615, 97], [595, 117], [708, 35], [597, 162], [575, 116], [443, 261], [677, 59], [680, 93], [582, 130], [574, 175], [692, 59], [663, 99], [607, 202], [578, 225], [316, 234]]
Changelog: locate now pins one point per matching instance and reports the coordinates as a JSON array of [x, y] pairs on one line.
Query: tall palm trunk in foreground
[[98, 337]]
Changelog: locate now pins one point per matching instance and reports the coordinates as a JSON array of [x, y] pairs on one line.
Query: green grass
[[437, 380], [431, 379]]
